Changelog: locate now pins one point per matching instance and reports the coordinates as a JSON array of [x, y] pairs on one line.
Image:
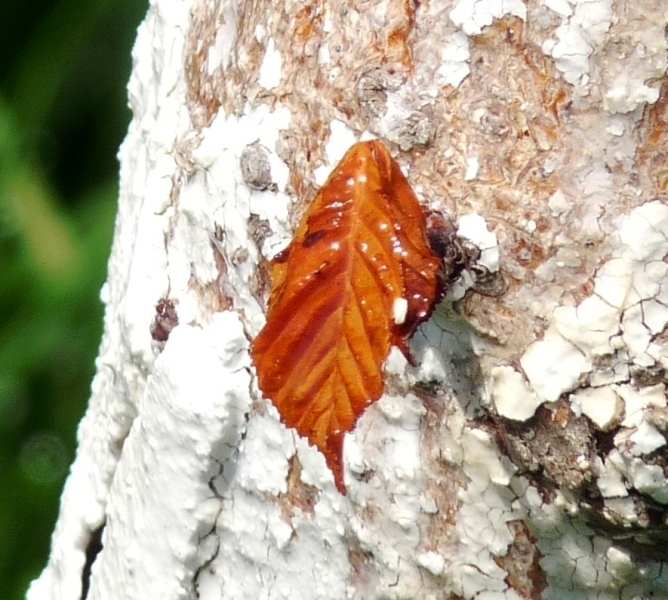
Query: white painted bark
[[526, 456]]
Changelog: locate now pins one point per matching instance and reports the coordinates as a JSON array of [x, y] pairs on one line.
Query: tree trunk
[[525, 455]]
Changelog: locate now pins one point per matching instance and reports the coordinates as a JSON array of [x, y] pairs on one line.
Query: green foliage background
[[64, 65]]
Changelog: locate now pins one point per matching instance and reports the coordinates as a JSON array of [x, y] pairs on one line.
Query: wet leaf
[[358, 277]]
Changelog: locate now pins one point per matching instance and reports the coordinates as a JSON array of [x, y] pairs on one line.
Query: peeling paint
[[473, 16], [553, 365], [582, 30], [454, 60], [270, 70], [512, 397], [602, 405]]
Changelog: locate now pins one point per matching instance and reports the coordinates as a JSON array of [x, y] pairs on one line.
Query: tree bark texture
[[525, 456]]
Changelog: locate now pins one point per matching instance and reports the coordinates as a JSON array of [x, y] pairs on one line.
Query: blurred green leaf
[[39, 72], [29, 208]]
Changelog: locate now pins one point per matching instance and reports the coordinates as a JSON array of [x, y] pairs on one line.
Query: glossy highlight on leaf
[[358, 277]]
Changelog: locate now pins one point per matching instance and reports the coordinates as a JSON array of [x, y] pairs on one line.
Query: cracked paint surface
[[526, 456]]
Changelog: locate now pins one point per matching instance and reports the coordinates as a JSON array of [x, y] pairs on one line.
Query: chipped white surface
[[270, 70], [432, 561], [396, 362], [263, 554], [647, 479], [512, 397], [643, 232], [628, 304], [637, 400], [454, 60], [482, 520], [628, 93], [581, 32], [610, 481], [324, 57], [178, 440], [265, 436], [616, 324], [552, 365], [390, 435], [472, 166], [208, 198], [620, 317], [630, 84], [591, 325], [602, 405], [558, 203], [473, 16], [561, 7], [226, 37], [340, 139], [646, 439]]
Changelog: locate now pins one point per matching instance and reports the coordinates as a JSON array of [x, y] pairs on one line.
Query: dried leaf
[[358, 277]]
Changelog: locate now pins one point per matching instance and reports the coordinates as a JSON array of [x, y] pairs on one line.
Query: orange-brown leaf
[[359, 249]]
